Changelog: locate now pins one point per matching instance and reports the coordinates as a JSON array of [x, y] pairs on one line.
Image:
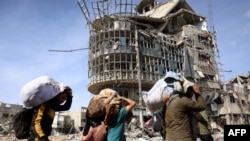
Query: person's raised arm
[[131, 103], [68, 102]]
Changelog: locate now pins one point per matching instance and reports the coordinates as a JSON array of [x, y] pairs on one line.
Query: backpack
[[158, 123], [22, 123]]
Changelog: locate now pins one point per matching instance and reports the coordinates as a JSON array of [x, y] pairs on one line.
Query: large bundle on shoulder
[[34, 93], [40, 90], [154, 97], [100, 105], [100, 114]]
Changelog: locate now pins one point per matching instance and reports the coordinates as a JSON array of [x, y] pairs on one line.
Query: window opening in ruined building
[[123, 41], [136, 95], [106, 67], [117, 66], [5, 115], [125, 92], [119, 90], [202, 39], [111, 66], [161, 69], [156, 70], [125, 66], [232, 99], [206, 58], [209, 77], [218, 100], [83, 110], [134, 66], [131, 42], [207, 98], [243, 102], [172, 65], [122, 92], [236, 118], [144, 68]]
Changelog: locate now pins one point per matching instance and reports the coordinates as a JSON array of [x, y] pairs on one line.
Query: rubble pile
[[136, 135], [139, 135], [72, 137]]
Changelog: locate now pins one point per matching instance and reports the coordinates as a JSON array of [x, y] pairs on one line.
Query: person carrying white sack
[[179, 109], [45, 96], [162, 93], [168, 86]]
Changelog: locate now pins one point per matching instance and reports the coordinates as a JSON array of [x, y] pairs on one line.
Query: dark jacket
[[177, 117], [198, 121], [43, 118], [204, 128]]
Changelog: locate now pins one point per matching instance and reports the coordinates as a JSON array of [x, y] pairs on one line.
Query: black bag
[[158, 123], [22, 123]]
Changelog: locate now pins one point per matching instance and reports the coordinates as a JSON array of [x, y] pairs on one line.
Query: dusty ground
[[52, 138], [76, 138], [135, 136]]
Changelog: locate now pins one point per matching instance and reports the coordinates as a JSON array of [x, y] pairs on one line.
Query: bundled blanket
[[40, 90], [102, 105]]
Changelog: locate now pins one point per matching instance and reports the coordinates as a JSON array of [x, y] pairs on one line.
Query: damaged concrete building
[[133, 44], [235, 106], [7, 111], [69, 121]]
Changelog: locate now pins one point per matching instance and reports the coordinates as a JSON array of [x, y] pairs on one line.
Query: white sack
[[40, 90], [187, 84], [153, 98]]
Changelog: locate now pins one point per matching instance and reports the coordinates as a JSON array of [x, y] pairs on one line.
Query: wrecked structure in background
[[235, 107], [69, 122], [133, 44], [7, 111]]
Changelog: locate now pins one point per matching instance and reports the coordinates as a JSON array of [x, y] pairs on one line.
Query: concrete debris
[[146, 135], [130, 136]]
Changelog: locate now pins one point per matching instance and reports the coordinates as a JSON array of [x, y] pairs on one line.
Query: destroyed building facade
[[133, 44], [235, 105]]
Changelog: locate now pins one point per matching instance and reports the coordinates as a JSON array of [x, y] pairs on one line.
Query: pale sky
[[29, 28]]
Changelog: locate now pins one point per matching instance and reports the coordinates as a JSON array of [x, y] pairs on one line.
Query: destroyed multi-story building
[[133, 44], [235, 108]]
